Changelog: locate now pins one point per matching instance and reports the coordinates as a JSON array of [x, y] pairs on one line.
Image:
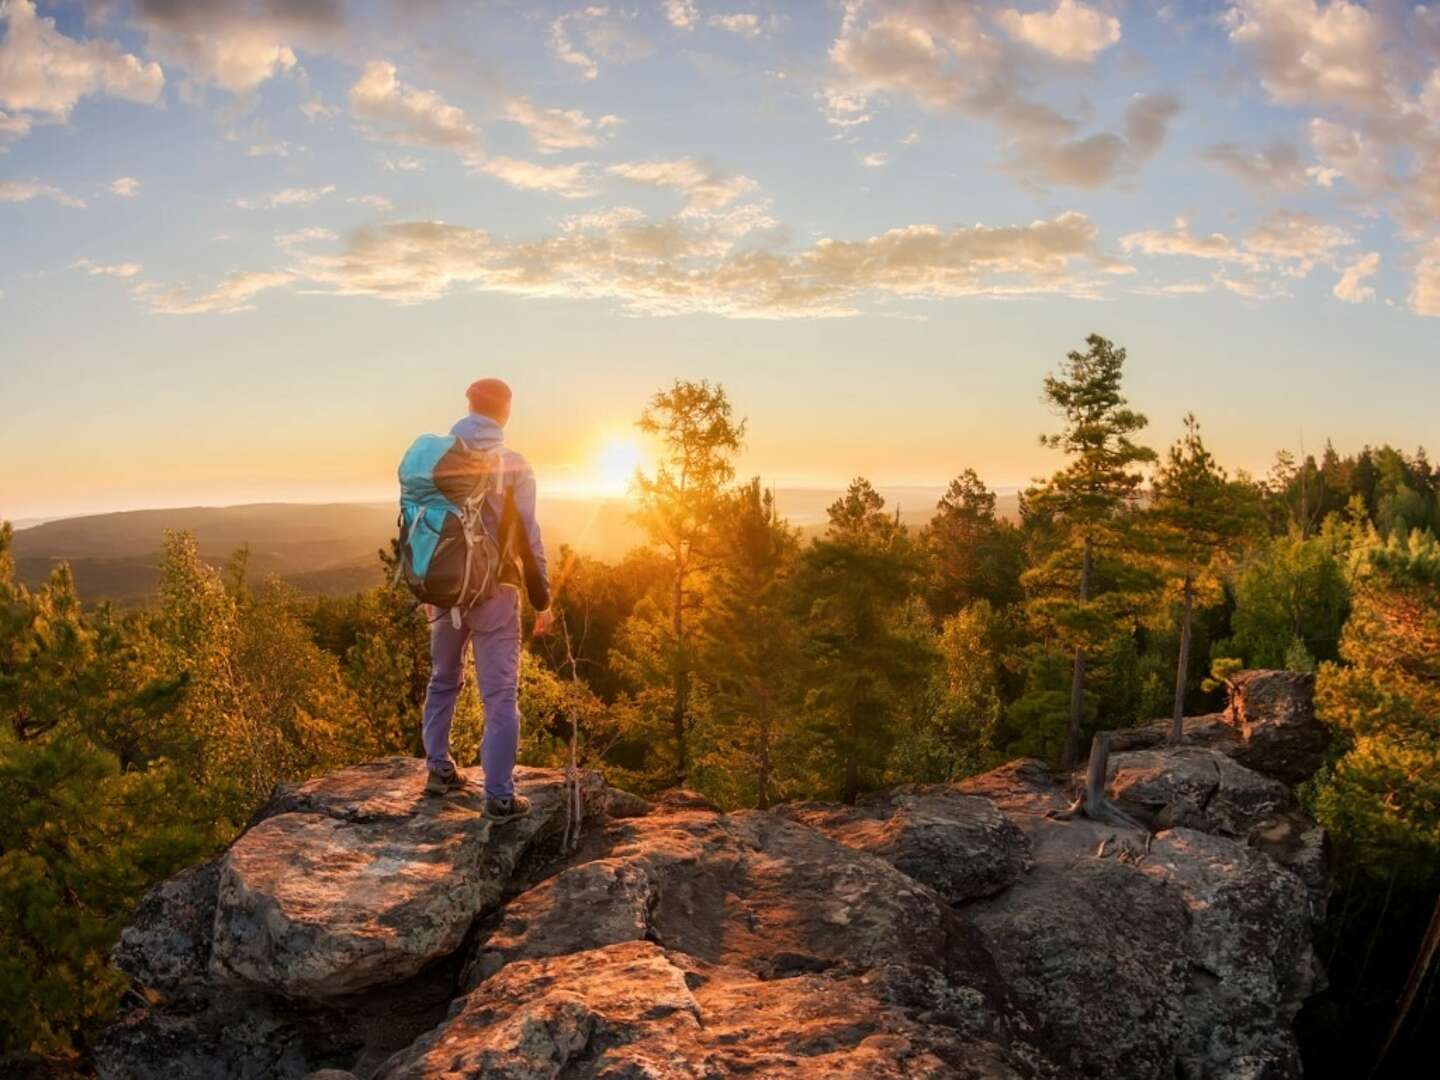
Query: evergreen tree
[[749, 648], [853, 588], [973, 554], [1199, 515], [698, 438], [1084, 585]]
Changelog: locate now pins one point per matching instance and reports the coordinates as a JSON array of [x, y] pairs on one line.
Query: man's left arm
[[532, 550]]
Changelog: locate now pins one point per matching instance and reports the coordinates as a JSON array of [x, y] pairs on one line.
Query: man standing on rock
[[491, 628]]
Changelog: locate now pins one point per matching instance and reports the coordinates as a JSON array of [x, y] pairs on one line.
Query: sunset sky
[[250, 248]]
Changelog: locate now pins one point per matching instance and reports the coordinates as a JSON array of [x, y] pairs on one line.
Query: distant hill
[[332, 548]]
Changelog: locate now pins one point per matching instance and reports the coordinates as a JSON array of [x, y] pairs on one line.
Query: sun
[[615, 464]]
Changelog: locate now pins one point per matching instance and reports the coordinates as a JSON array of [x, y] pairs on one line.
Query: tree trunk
[[852, 779], [677, 712], [1095, 775], [1077, 676], [762, 782], [1177, 718], [1429, 945]]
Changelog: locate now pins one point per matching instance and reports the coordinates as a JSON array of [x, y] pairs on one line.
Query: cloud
[[742, 23], [1315, 53], [1425, 287], [123, 271], [1180, 241], [235, 292], [403, 164], [680, 14], [276, 148], [1277, 167], [303, 236], [316, 110], [237, 44], [1290, 236], [1350, 287], [127, 187], [684, 266], [875, 160], [571, 181], [942, 57], [404, 114], [1071, 31], [844, 109], [44, 74], [286, 197], [25, 190], [554, 129], [602, 33], [704, 186], [379, 203]]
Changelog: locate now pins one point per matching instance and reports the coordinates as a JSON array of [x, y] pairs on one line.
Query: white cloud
[[286, 197], [237, 44], [316, 110], [1301, 239], [123, 271], [571, 181], [844, 109], [943, 58], [235, 292], [555, 129], [680, 14], [276, 148], [704, 186], [1180, 241], [379, 203], [1425, 289], [678, 266], [875, 160], [405, 114], [127, 187], [604, 33], [1070, 31], [742, 23], [1350, 287], [44, 74], [403, 164], [303, 236], [1277, 167], [25, 190]]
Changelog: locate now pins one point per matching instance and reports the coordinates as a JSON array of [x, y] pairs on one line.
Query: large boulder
[[637, 1009], [1274, 712], [960, 845], [1197, 787], [367, 879]]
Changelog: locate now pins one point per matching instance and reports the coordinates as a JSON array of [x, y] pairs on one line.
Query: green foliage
[[863, 652], [973, 555], [1381, 799], [1088, 584]]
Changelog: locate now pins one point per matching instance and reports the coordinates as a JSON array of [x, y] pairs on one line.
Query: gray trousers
[[492, 629]]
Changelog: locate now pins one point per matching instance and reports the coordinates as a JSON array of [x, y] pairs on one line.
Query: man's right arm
[[532, 549]]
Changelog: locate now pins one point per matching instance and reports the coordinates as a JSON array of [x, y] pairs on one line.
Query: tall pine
[[1085, 584]]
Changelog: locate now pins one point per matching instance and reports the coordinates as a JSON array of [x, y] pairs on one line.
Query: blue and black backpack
[[448, 557]]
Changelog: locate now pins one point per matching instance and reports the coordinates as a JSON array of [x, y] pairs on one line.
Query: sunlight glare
[[616, 463]]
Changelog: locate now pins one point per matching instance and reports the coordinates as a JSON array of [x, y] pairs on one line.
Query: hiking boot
[[503, 810], [442, 783]]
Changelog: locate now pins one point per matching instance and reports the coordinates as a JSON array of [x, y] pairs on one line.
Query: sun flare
[[615, 464]]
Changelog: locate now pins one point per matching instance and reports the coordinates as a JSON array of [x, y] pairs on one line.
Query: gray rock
[[166, 945], [1198, 787], [960, 845], [1274, 712], [362, 879]]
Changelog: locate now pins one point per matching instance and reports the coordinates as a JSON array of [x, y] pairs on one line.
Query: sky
[[250, 248]]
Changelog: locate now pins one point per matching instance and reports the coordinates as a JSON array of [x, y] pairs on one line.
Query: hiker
[[491, 627]]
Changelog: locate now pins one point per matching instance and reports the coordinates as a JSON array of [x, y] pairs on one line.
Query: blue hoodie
[[511, 516]]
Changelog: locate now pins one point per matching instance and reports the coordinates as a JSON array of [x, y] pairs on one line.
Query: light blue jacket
[[518, 488]]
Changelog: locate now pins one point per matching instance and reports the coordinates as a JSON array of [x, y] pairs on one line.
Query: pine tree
[[853, 589], [749, 641], [698, 439], [1090, 503], [1199, 515], [973, 554]]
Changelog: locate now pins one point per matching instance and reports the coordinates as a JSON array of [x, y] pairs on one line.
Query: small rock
[[1275, 714]]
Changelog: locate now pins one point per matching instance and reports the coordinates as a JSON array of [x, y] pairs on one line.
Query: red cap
[[490, 397]]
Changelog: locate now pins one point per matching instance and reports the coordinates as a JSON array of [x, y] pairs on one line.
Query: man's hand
[[544, 620]]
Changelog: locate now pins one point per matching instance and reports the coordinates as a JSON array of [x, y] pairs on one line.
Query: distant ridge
[[331, 548]]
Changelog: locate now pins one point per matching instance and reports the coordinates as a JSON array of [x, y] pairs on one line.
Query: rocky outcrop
[[931, 931]]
